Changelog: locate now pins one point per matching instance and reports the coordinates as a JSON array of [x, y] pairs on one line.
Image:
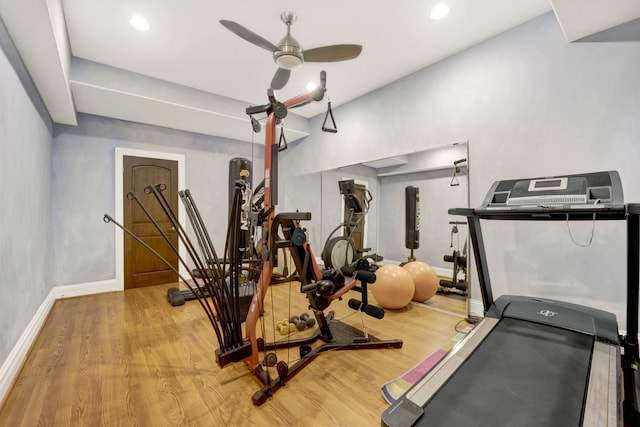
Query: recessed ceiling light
[[311, 86], [439, 11], [139, 22]]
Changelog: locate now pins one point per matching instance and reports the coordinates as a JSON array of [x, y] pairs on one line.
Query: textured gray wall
[[530, 105], [83, 188], [25, 175]]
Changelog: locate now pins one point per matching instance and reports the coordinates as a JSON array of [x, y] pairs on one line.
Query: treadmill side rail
[[407, 410], [431, 383], [602, 407]]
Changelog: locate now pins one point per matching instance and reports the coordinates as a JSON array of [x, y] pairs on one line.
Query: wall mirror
[[441, 175]]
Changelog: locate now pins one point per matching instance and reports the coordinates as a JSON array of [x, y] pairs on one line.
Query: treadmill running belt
[[522, 374]]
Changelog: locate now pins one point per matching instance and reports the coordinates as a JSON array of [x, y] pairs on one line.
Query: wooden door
[[358, 233], [141, 267]]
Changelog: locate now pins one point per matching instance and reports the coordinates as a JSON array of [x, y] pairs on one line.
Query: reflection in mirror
[[441, 177], [303, 193], [437, 194], [334, 213]]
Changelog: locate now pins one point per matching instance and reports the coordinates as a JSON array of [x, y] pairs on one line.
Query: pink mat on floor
[[392, 390]]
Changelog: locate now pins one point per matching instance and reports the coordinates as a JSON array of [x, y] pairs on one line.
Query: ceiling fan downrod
[[289, 55]]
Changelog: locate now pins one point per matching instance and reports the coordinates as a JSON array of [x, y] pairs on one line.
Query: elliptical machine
[[341, 251]]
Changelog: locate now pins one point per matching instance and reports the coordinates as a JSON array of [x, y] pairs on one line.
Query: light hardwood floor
[[129, 358]]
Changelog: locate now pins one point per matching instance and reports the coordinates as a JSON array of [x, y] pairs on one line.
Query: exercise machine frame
[[284, 230]]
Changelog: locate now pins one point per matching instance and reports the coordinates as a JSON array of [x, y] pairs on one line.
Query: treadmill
[[534, 361]]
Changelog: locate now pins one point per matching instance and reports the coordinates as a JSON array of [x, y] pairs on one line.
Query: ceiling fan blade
[[280, 78], [248, 35], [334, 53]]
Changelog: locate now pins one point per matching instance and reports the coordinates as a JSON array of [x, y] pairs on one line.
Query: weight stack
[[412, 217]]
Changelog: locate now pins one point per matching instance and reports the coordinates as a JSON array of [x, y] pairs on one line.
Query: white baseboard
[[14, 361], [12, 364], [445, 272], [70, 291], [476, 308]]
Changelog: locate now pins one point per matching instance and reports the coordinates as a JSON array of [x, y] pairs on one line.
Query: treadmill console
[[600, 190]]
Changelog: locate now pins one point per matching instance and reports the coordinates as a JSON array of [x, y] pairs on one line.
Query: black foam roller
[[365, 276], [371, 310], [374, 311], [354, 304]]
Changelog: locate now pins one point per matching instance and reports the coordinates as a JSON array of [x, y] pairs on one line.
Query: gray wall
[[530, 105], [25, 175], [83, 187]]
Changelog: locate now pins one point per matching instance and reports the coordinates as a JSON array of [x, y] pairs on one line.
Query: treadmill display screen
[[548, 184]]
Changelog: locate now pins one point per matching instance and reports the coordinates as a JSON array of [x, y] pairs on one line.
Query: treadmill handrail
[[629, 212], [550, 213]]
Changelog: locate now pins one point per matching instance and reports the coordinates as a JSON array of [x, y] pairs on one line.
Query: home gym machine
[[215, 282], [321, 287], [240, 173], [535, 361], [282, 230]]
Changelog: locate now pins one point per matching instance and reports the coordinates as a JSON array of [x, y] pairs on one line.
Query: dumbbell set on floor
[[295, 323]]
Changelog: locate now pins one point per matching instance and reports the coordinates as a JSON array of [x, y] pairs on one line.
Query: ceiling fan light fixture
[[289, 55], [288, 61]]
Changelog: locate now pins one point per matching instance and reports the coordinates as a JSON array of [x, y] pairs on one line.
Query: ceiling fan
[[288, 54]]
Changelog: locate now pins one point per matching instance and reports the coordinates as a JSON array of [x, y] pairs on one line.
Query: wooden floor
[[129, 358]]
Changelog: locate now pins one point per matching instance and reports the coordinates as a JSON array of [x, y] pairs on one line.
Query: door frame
[[120, 153]]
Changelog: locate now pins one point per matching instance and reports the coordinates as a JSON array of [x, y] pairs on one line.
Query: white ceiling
[[189, 72]]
